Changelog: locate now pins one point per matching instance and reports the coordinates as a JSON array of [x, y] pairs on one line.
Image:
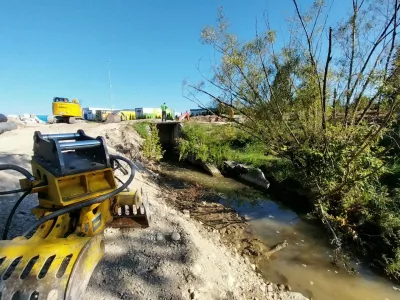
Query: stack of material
[[12, 122], [25, 119], [30, 119], [5, 125], [111, 118]]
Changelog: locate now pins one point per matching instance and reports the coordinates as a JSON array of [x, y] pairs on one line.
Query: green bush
[[218, 143], [151, 146], [364, 212], [141, 128], [214, 144]]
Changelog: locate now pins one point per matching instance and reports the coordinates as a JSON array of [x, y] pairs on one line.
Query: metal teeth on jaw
[[127, 210]]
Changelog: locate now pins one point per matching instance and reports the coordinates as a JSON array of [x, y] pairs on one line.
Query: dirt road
[[176, 258]]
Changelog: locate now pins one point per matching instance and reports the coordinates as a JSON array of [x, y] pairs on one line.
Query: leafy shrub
[[218, 143], [141, 128], [151, 146]]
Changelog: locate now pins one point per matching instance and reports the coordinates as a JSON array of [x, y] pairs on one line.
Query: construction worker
[[164, 112]]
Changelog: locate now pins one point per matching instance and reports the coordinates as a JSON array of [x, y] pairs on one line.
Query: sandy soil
[[176, 258]]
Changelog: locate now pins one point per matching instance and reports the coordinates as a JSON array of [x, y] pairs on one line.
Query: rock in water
[[209, 168], [256, 176], [249, 174], [212, 170], [175, 236], [246, 218]]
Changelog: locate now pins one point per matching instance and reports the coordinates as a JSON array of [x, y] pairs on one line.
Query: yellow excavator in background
[[73, 175], [66, 111]]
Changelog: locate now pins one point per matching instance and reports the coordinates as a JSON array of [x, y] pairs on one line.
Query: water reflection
[[306, 263]]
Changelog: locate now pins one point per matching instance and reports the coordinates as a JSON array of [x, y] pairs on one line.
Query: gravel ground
[[176, 258]]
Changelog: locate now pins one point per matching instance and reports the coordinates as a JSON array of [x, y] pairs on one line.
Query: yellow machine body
[[67, 108], [70, 189], [48, 268], [58, 260]]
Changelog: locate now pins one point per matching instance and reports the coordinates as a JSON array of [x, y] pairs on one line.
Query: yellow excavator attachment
[[78, 198], [54, 268]]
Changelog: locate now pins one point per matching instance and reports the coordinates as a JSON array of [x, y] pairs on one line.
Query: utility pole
[[109, 81]]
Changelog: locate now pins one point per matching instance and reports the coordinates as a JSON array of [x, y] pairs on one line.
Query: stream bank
[[252, 224], [175, 258]]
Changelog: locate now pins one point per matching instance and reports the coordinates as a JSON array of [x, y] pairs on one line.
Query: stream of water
[[305, 264]]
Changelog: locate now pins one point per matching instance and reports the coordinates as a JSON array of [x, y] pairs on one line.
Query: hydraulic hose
[[81, 205], [24, 172], [11, 215], [13, 191]]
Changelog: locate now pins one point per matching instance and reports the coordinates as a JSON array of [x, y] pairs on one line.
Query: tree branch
[[377, 42], [353, 50], [310, 48], [324, 96]]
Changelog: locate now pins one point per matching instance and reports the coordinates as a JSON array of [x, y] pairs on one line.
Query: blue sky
[[60, 48]]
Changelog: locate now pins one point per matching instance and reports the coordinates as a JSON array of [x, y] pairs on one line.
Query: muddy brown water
[[305, 265]]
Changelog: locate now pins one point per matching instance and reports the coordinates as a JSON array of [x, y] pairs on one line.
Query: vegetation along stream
[[306, 264]]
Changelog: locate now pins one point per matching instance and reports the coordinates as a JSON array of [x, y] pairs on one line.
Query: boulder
[[7, 126], [25, 116], [293, 296], [28, 121], [209, 168], [38, 120], [51, 119], [175, 236], [248, 174], [212, 170], [3, 118], [14, 119]]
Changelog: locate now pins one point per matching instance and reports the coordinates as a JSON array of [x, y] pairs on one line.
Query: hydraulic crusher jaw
[[73, 175]]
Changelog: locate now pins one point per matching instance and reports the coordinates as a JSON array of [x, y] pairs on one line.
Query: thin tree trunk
[[334, 105], [324, 96], [353, 49]]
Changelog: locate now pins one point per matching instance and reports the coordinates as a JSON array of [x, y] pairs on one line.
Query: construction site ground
[[178, 257]]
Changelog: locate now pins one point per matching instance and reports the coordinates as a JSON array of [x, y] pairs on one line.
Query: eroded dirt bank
[[176, 258]]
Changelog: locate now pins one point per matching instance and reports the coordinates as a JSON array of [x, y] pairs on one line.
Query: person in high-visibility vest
[[164, 112]]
